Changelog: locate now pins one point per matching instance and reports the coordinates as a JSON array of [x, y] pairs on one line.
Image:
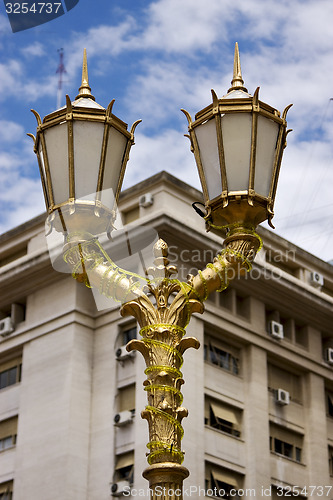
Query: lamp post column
[[162, 346]]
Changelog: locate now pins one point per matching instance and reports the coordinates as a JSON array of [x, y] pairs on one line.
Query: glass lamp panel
[[236, 133], [267, 134], [88, 140], [41, 156], [56, 140], [209, 154], [114, 157]]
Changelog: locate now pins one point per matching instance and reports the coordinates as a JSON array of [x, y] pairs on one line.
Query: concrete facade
[[260, 407]]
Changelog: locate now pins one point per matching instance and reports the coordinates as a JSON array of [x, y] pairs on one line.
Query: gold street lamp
[[82, 151]]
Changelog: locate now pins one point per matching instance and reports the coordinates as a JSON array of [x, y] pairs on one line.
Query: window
[[301, 335], [15, 311], [10, 373], [329, 403], [227, 298], [294, 331], [222, 483], [236, 302], [6, 490], [242, 305], [283, 379], [124, 469], [126, 398], [131, 214], [330, 460], [286, 443], [128, 334], [8, 432], [223, 417], [222, 355]]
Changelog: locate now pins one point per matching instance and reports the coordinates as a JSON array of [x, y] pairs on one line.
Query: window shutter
[[127, 398], [124, 460], [226, 413], [8, 427]]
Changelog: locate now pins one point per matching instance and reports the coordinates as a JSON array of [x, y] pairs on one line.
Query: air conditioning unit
[[276, 329], [123, 418], [122, 353], [282, 397], [329, 355], [120, 488], [6, 326], [146, 200], [316, 279]]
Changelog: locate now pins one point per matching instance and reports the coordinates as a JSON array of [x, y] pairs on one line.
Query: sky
[[156, 57]]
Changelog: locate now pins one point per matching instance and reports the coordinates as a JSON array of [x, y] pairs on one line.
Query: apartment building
[[259, 390]]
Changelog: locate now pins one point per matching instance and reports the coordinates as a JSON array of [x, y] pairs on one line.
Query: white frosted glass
[[266, 147], [207, 140], [113, 161], [57, 153], [88, 139], [236, 133], [41, 156]]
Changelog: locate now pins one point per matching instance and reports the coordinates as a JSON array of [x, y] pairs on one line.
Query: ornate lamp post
[[238, 143]]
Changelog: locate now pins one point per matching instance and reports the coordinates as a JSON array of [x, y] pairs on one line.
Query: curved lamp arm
[[90, 264], [240, 249]]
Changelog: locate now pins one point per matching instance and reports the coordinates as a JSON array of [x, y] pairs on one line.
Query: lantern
[[238, 143], [82, 151]]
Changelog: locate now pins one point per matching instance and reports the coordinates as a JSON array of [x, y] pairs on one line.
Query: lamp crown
[[85, 90], [237, 82]]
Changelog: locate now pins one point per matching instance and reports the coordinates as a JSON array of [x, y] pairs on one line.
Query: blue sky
[[155, 57]]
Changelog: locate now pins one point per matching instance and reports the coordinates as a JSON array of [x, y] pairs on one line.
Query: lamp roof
[[84, 102]]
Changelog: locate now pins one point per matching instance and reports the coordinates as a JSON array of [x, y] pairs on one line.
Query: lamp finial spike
[[237, 82], [85, 90]]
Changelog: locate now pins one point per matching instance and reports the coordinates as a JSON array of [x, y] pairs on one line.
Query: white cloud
[[4, 26], [183, 27], [304, 204], [168, 151], [21, 195], [23, 201], [162, 90], [36, 49], [11, 76], [15, 84], [11, 131], [100, 41]]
